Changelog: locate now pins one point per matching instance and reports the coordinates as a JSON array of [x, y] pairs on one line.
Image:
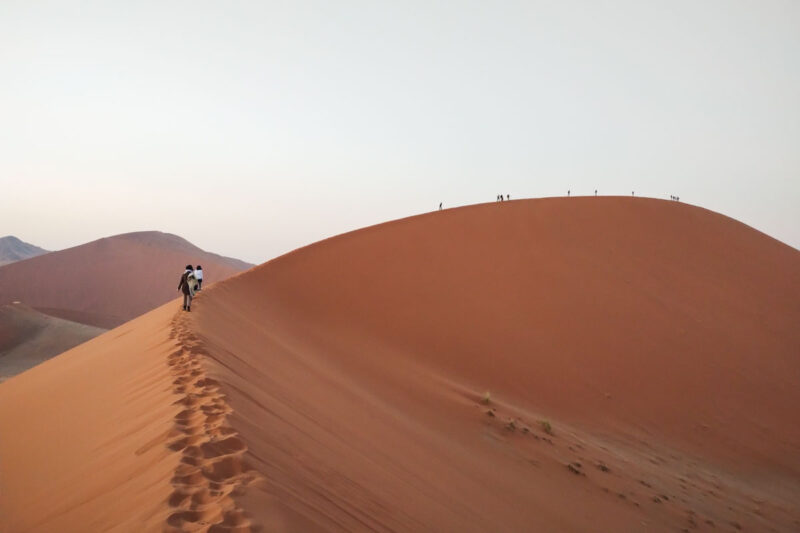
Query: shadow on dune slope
[[651, 335], [28, 337]]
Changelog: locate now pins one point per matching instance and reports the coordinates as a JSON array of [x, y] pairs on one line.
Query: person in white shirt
[[198, 274]]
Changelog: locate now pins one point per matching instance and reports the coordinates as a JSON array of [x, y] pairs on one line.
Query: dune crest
[[211, 468]]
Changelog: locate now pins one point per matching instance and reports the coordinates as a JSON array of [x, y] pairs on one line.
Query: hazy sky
[[252, 128]]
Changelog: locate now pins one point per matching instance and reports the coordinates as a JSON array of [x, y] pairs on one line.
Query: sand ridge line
[[211, 469]]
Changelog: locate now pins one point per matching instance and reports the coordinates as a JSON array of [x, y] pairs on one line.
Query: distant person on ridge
[[440, 206], [508, 197], [567, 192], [595, 192], [187, 285], [198, 274]]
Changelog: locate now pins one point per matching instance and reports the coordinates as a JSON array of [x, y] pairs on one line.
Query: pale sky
[[253, 128]]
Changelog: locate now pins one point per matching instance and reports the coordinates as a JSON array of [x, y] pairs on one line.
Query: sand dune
[[640, 358], [109, 281], [28, 337]]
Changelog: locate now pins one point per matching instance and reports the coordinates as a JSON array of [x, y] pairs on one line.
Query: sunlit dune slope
[[109, 281], [354, 367], [82, 436]]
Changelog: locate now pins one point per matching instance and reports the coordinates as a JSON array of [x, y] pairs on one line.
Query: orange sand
[[82, 435], [341, 387]]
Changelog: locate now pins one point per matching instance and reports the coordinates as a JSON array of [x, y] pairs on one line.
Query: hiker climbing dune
[[188, 285]]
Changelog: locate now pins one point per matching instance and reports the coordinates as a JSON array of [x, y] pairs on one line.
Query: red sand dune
[[109, 281], [28, 337], [341, 387]]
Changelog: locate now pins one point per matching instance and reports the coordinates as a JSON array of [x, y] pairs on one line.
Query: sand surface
[[28, 337], [640, 358], [109, 281]]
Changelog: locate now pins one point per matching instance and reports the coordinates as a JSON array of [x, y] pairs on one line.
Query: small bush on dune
[[487, 398], [546, 427]]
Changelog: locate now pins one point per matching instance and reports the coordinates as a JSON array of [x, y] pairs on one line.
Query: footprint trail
[[212, 469]]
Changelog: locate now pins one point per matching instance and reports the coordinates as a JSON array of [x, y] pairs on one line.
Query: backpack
[[191, 282]]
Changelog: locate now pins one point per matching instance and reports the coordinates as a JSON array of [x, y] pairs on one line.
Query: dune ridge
[[211, 467], [608, 364]]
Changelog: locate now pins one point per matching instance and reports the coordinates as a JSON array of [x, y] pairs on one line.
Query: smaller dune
[[28, 337]]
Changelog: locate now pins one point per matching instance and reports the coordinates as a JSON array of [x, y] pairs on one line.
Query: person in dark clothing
[[187, 285]]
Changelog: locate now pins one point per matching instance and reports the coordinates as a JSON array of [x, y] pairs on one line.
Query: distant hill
[[12, 250], [28, 337], [110, 281]]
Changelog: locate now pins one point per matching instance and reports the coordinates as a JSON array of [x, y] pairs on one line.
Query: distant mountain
[[12, 250], [112, 280]]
